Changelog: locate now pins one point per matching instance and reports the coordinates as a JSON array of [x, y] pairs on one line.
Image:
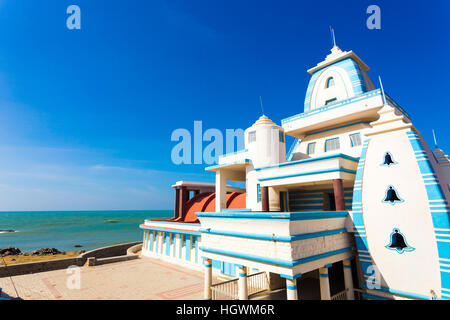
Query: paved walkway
[[141, 279]]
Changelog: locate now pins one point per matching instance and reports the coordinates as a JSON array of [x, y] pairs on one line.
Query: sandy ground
[[9, 260]]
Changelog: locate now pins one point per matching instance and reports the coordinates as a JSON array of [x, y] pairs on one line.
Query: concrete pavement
[[141, 279]]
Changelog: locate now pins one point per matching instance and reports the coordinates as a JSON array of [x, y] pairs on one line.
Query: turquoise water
[[65, 229]]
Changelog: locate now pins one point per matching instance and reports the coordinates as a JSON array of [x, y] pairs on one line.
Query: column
[[291, 289], [265, 199], [274, 200], [182, 204], [177, 203], [221, 192], [339, 194], [208, 279], [324, 283], [242, 283], [348, 279]]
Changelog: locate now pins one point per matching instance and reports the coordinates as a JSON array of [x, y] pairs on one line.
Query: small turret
[[265, 142]]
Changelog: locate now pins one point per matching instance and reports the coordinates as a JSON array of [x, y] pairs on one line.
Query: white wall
[[415, 271]]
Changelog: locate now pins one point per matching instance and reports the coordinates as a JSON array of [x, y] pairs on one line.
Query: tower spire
[[382, 90], [333, 38], [262, 108]]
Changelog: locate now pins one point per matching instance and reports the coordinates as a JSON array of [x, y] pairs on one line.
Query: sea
[[64, 230]]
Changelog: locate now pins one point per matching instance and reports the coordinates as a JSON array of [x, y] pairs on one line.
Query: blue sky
[[87, 115]]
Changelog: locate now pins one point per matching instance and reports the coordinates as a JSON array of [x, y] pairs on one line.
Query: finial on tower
[[262, 108], [382, 90], [333, 38]]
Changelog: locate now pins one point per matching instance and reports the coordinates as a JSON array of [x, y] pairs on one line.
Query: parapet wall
[[110, 251], [109, 254]]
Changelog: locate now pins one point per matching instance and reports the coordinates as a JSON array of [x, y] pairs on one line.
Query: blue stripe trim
[[291, 287], [188, 249], [291, 216], [337, 104], [308, 173], [286, 276], [276, 261], [333, 156], [372, 297], [398, 292], [273, 237]]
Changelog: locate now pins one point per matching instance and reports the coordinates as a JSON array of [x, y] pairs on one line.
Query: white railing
[[340, 296], [227, 290], [257, 282]]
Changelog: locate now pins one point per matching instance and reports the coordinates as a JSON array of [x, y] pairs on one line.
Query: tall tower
[[340, 76]]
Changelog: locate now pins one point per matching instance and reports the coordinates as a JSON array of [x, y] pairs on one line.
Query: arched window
[[330, 82]]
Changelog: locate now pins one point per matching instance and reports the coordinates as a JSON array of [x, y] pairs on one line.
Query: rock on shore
[[46, 252], [9, 251]]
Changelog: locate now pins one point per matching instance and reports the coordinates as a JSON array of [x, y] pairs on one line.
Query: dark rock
[[9, 251], [78, 246], [45, 252]]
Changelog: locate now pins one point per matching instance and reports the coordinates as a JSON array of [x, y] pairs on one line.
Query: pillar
[[265, 199], [339, 194], [182, 204], [208, 279], [242, 283], [324, 283], [348, 279], [291, 289], [177, 203], [221, 192], [274, 200]]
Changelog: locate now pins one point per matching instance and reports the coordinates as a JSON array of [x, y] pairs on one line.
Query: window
[[330, 101], [332, 144], [251, 136], [281, 136], [355, 139], [258, 193], [311, 148], [330, 82]]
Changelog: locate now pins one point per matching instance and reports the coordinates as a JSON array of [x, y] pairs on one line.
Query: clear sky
[[87, 115]]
